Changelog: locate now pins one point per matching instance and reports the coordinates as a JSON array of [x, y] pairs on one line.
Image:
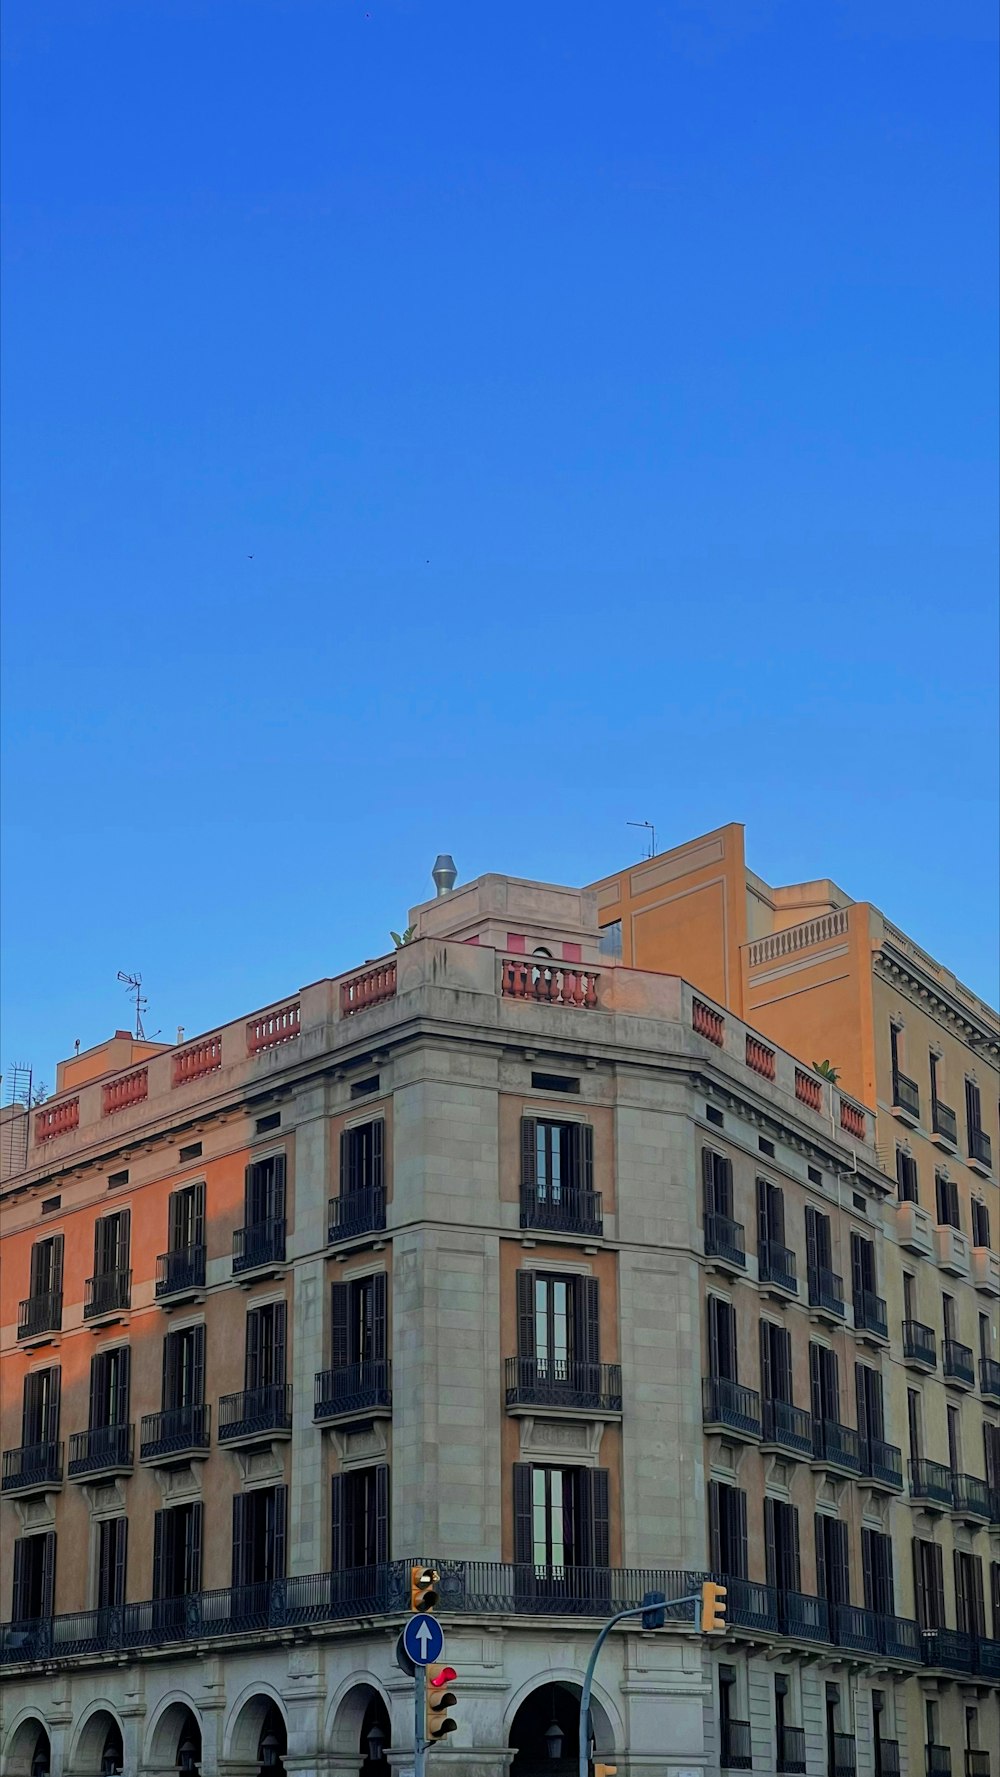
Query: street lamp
[[187, 1757], [376, 1743], [270, 1751], [554, 1737]]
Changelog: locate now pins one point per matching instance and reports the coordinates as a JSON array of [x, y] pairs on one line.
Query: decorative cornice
[[942, 1005]]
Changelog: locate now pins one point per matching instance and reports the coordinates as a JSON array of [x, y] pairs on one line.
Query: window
[[980, 1223], [46, 1267], [112, 1536], [34, 1577], [734, 1735], [775, 1362], [717, 1175], [111, 1243], [985, 1337], [833, 1571], [359, 1321], [361, 1518], [819, 1242], [722, 1340], [184, 1368], [781, 1545], [40, 1406], [935, 1063], [995, 1597], [557, 1159], [948, 1316], [361, 1164], [863, 1265], [115, 1179], [876, 1570], [928, 1580], [177, 1540], [610, 940], [561, 1516], [259, 1530], [364, 1088], [824, 1383], [265, 1354], [558, 1323], [727, 1529], [554, 1083], [265, 1124], [770, 1214], [973, 1114], [954, 1440], [109, 1387], [946, 1196], [191, 1152], [970, 1616], [264, 1191], [186, 1218], [871, 1410], [914, 1424], [909, 1296], [991, 1454]]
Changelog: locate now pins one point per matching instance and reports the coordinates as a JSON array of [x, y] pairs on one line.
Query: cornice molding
[[932, 998]]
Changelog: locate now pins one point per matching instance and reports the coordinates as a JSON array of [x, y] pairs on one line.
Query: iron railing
[[181, 1269], [855, 1627], [906, 1094], [556, 1382], [100, 1449], [725, 1239], [949, 1650], [751, 1604], [980, 1147], [919, 1343], [106, 1293], [803, 1617], [259, 1243], [39, 1314], [729, 1403], [791, 1751], [735, 1752], [937, 1760], [972, 1496], [32, 1466], [839, 1445], [884, 1462], [886, 1757], [843, 1755], [930, 1481], [870, 1313], [178, 1429], [944, 1121], [788, 1426], [977, 1763], [353, 1389], [254, 1411], [776, 1264], [566, 1210], [357, 1212], [989, 1377], [826, 1289], [958, 1362]]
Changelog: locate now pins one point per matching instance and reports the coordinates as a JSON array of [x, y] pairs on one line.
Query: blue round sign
[[423, 1639]]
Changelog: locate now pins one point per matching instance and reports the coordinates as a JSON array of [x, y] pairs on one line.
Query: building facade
[[493, 1254]]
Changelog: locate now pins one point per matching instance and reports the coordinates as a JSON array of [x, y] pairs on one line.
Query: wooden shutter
[[766, 1368], [198, 1365], [523, 1535], [348, 1162], [31, 1408], [38, 1284], [56, 1264], [529, 1153], [936, 1562], [961, 1597], [714, 1528], [277, 1512], [123, 1365], [840, 1562], [708, 1180], [868, 1571], [763, 1220], [192, 1548], [740, 1550], [382, 1513], [176, 1229], [380, 1317], [340, 1325], [378, 1154], [48, 1574], [251, 1371], [19, 1605], [241, 1538], [812, 1239], [526, 1347], [770, 1552], [122, 1239], [160, 1534], [338, 1548], [51, 1405], [995, 1597], [793, 1518], [98, 1367], [168, 1373], [586, 1174], [977, 1611], [116, 1575], [280, 1322], [822, 1571], [920, 1584], [596, 1539], [727, 1341], [250, 1194], [857, 1262], [198, 1216], [991, 1453], [713, 1335], [587, 1318]]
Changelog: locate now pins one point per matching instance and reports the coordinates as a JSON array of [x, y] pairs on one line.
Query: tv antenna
[[652, 835], [134, 985]]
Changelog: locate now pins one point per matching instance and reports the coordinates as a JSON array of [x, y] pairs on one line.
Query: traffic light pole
[[419, 1720], [588, 1682]]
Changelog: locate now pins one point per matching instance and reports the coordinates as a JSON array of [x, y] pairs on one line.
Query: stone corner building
[[499, 1254]]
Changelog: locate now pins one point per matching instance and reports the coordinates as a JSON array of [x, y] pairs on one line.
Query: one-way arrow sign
[[423, 1639]]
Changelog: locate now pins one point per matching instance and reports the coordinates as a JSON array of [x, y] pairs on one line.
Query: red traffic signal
[[440, 1698]]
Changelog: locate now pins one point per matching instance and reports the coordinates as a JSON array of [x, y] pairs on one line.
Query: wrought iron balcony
[[901, 1639], [989, 1378], [791, 1751], [870, 1313], [776, 1264], [724, 1239], [555, 1382], [751, 1604], [354, 1390], [109, 1292], [256, 1413], [180, 1271], [958, 1363], [944, 1121], [930, 1482], [883, 1463], [177, 1432], [562, 1211], [905, 1095], [977, 1763], [843, 1756], [731, 1405], [39, 1314], [937, 1761], [354, 1213], [735, 1752], [857, 1628], [101, 1450], [971, 1497], [837, 1446], [259, 1244], [919, 1344], [980, 1148], [948, 1650], [804, 1617], [32, 1468], [789, 1427], [988, 1653], [826, 1290], [886, 1757]]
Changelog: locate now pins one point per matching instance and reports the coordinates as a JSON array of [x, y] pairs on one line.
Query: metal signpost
[[653, 1611]]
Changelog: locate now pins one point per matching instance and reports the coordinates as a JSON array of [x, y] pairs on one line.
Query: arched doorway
[[176, 1740], [376, 1731], [41, 1758], [100, 1751], [29, 1753], [545, 1733], [259, 1735], [273, 1744]]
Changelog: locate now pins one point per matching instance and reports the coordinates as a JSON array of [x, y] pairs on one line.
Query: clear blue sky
[[606, 396]]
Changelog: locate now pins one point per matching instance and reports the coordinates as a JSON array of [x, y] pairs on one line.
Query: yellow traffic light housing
[[440, 1698], [713, 1608], [423, 1588], [605, 1770]]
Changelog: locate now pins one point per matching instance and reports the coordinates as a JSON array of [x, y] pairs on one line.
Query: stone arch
[[176, 1719], [538, 1704], [346, 1714], [247, 1718], [22, 1743], [100, 1728]]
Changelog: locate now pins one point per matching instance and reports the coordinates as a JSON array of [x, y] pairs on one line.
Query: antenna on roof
[[134, 985], [652, 835]]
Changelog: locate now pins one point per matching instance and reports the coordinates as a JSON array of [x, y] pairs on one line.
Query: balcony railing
[[353, 1389], [39, 1314], [788, 1426], [557, 1382], [259, 1243], [857, 1628], [977, 1763], [706, 1021], [751, 1604], [930, 1481], [174, 1432], [980, 1147], [31, 1467], [724, 1239], [905, 1095], [255, 1412], [958, 1362], [826, 1289], [566, 1210], [107, 1293], [919, 1343], [937, 1761], [948, 1650], [356, 1212], [102, 1449], [551, 983], [791, 1751], [884, 1463], [989, 1378], [944, 1121], [809, 1091], [776, 1264], [803, 1617], [735, 1752], [870, 1313], [368, 989], [843, 1756], [838, 1445], [180, 1271], [971, 1497], [730, 1404], [760, 1057], [886, 1757]]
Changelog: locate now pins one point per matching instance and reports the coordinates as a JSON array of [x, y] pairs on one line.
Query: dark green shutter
[[279, 1365], [380, 1317], [714, 1528], [526, 1347], [598, 1538], [338, 1542], [241, 1545], [277, 1528], [588, 1320], [378, 1154], [523, 1534], [529, 1153], [251, 1372], [48, 1601], [160, 1521], [192, 1548], [382, 1513], [340, 1325]]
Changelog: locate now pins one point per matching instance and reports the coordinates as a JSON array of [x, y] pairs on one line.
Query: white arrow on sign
[[424, 1636]]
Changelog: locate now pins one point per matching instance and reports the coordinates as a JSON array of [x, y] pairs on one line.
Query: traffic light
[[713, 1608], [423, 1588], [440, 1698], [653, 1617], [605, 1770]]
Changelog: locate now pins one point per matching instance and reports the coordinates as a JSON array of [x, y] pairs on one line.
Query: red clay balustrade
[[369, 988], [198, 1059], [808, 1091], [760, 1057], [852, 1118], [132, 1088], [57, 1120], [272, 1028], [548, 983], [707, 1022]]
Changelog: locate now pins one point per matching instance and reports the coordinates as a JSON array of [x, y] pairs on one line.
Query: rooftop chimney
[[444, 873]]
